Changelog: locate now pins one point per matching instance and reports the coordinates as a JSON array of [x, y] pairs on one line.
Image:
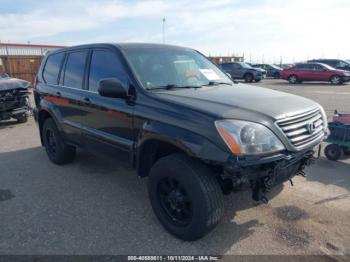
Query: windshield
[[276, 67], [244, 65], [173, 67], [328, 66]]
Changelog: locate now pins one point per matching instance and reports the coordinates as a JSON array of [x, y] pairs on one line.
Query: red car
[[315, 72]]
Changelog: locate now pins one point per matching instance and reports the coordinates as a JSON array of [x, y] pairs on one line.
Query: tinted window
[[304, 67], [226, 66], [52, 68], [74, 72], [318, 67], [104, 64], [236, 66]]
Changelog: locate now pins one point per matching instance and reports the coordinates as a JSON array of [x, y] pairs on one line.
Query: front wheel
[[293, 79], [333, 152], [57, 150], [185, 196], [248, 78], [336, 80], [22, 119]]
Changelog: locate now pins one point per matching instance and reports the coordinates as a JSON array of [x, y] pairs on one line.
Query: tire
[[346, 150], [22, 119], [57, 150], [336, 80], [198, 205], [248, 78], [257, 80], [333, 152], [276, 75], [293, 79]]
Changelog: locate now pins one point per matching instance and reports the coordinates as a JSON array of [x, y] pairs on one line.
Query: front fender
[[193, 144]]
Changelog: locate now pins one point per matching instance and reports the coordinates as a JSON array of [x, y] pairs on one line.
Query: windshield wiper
[[171, 86], [214, 83]]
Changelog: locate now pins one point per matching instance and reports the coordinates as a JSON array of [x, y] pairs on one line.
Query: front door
[[107, 122]]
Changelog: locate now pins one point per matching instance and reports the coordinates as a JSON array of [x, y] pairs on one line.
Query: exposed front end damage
[[14, 99], [264, 173]]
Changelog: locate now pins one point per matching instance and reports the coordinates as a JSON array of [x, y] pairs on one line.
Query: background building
[[22, 60]]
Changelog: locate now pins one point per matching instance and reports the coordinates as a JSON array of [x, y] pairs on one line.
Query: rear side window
[[304, 67], [105, 64], [74, 71], [52, 68]]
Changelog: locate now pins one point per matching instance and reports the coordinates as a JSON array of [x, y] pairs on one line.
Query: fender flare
[[192, 144]]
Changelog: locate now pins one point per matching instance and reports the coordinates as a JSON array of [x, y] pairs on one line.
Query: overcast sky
[[261, 29]]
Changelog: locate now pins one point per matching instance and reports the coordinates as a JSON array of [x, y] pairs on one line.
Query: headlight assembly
[[248, 138]]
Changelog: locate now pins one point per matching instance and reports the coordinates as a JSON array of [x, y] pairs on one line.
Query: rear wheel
[[248, 78], [336, 80], [185, 196], [333, 152], [293, 79], [57, 150]]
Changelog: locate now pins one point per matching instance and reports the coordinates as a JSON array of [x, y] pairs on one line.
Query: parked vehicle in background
[[240, 70], [336, 63], [14, 98], [283, 66], [263, 71], [177, 118], [315, 72], [271, 70]]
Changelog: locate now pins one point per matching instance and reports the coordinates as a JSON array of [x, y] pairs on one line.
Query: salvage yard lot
[[94, 206]]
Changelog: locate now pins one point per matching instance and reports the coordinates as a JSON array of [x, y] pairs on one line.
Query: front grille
[[303, 129]]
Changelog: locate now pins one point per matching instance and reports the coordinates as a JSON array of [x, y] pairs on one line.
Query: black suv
[[336, 63], [271, 70], [179, 120]]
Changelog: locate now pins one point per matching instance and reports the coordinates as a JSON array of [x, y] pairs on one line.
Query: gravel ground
[[94, 206]]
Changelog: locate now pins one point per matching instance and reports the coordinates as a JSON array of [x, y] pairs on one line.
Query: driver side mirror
[[112, 87]]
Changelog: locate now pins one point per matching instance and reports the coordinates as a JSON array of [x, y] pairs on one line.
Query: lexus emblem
[[310, 127]]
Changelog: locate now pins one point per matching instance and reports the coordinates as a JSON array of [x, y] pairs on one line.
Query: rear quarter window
[[52, 68]]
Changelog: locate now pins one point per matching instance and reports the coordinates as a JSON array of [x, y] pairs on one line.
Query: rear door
[[320, 73], [107, 121], [71, 93], [304, 72], [237, 71]]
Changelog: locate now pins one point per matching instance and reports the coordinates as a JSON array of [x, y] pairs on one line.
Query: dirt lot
[[94, 206]]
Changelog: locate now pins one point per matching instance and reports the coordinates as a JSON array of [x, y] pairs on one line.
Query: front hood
[[9, 83], [230, 101]]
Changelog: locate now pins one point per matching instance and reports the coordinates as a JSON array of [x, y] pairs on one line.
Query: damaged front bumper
[[263, 173], [14, 105]]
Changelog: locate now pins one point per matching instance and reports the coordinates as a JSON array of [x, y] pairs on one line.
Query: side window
[[318, 67], [105, 64], [52, 68], [226, 66], [304, 67], [74, 72], [236, 66]]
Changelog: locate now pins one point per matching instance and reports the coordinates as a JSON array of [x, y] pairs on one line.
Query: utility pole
[[164, 30]]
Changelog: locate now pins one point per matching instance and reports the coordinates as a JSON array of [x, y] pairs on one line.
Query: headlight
[[346, 74], [248, 138]]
